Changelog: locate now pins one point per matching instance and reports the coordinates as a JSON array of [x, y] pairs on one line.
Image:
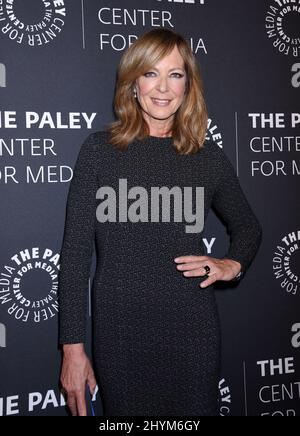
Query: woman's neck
[[159, 128]]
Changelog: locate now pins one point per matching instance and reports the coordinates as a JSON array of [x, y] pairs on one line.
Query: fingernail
[[176, 259]]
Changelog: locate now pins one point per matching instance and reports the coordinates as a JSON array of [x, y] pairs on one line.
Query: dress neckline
[[155, 143], [158, 139]]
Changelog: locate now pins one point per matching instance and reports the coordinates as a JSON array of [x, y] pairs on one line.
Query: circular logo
[[213, 133], [32, 23], [29, 284], [282, 25], [224, 398], [286, 261]]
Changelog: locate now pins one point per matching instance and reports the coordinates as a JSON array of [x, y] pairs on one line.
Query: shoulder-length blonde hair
[[190, 121]]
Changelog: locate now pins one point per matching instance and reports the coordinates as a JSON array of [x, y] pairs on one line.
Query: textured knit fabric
[[156, 333]]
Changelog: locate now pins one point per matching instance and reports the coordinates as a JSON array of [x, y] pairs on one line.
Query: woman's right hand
[[76, 372]]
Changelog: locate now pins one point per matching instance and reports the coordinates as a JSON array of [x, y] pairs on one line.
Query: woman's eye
[[177, 75], [153, 74], [149, 74]]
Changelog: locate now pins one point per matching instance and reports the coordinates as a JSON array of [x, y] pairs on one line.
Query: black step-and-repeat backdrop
[[58, 62]]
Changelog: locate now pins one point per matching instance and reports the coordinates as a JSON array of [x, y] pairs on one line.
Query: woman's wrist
[[238, 276], [73, 349], [236, 267]]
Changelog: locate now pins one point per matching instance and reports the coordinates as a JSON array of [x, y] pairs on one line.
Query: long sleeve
[[77, 247], [242, 224]]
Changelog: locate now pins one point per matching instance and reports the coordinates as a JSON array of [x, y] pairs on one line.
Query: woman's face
[[161, 90]]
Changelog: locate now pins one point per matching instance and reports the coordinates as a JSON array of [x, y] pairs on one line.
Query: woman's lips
[[160, 101]]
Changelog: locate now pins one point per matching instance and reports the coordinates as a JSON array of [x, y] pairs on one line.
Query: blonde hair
[[190, 121]]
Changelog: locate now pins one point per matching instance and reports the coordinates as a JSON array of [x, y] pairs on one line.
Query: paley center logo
[[147, 207], [29, 284], [282, 24], [224, 398], [34, 22], [286, 262]]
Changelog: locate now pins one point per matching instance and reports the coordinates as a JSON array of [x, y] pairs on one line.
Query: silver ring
[[207, 269]]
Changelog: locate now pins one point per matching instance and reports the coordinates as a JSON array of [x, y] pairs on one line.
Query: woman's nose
[[162, 85]]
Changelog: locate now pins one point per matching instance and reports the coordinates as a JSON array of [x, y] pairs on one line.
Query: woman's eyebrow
[[172, 69]]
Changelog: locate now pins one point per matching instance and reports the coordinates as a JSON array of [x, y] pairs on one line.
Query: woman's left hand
[[220, 269]]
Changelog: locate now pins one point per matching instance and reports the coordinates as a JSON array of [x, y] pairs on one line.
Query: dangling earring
[[134, 93]]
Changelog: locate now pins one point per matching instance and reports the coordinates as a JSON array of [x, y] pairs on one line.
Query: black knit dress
[[156, 333]]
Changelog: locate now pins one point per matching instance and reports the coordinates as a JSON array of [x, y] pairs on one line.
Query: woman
[[156, 333]]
